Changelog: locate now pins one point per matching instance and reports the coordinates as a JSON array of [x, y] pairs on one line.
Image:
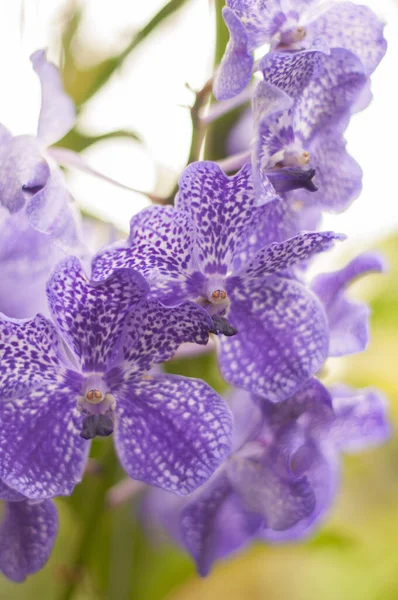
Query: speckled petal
[[22, 170], [292, 71], [42, 452], [172, 432], [213, 523], [261, 18], [30, 353], [362, 418], [223, 211], [348, 319], [235, 71], [92, 316], [27, 535], [161, 247], [153, 334], [354, 27], [278, 224], [279, 256], [329, 96], [58, 113], [281, 501], [282, 337]]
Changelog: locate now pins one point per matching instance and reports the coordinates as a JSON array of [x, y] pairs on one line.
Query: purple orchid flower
[[282, 475], [291, 26], [348, 319], [360, 422], [200, 250], [27, 534], [29, 178], [306, 129], [85, 375]]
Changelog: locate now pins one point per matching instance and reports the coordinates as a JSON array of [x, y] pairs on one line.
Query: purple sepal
[[348, 319], [287, 322], [26, 260], [27, 535], [292, 71], [58, 113], [235, 70], [92, 316], [51, 211], [356, 28], [278, 256], [172, 432], [213, 523], [362, 418]]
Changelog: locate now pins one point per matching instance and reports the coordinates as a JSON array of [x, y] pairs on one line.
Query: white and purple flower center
[[97, 405]]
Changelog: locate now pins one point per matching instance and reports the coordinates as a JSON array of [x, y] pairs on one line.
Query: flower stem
[[92, 492]]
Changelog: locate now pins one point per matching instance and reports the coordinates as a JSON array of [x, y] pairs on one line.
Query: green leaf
[[82, 84], [77, 141]]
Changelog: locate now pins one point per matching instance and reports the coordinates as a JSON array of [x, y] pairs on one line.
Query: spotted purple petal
[[280, 255], [92, 316], [261, 19], [30, 353], [235, 71], [347, 25], [42, 452], [348, 319], [282, 337], [58, 113], [292, 71], [172, 432], [222, 209], [278, 224], [27, 535], [153, 334], [329, 95], [161, 247]]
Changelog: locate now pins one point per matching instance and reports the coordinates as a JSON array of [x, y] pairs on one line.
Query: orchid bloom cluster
[[80, 334]]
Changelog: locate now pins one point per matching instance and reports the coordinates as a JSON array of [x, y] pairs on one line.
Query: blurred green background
[[104, 553]]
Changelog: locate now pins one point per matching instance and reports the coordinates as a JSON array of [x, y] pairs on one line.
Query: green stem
[[93, 490]]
